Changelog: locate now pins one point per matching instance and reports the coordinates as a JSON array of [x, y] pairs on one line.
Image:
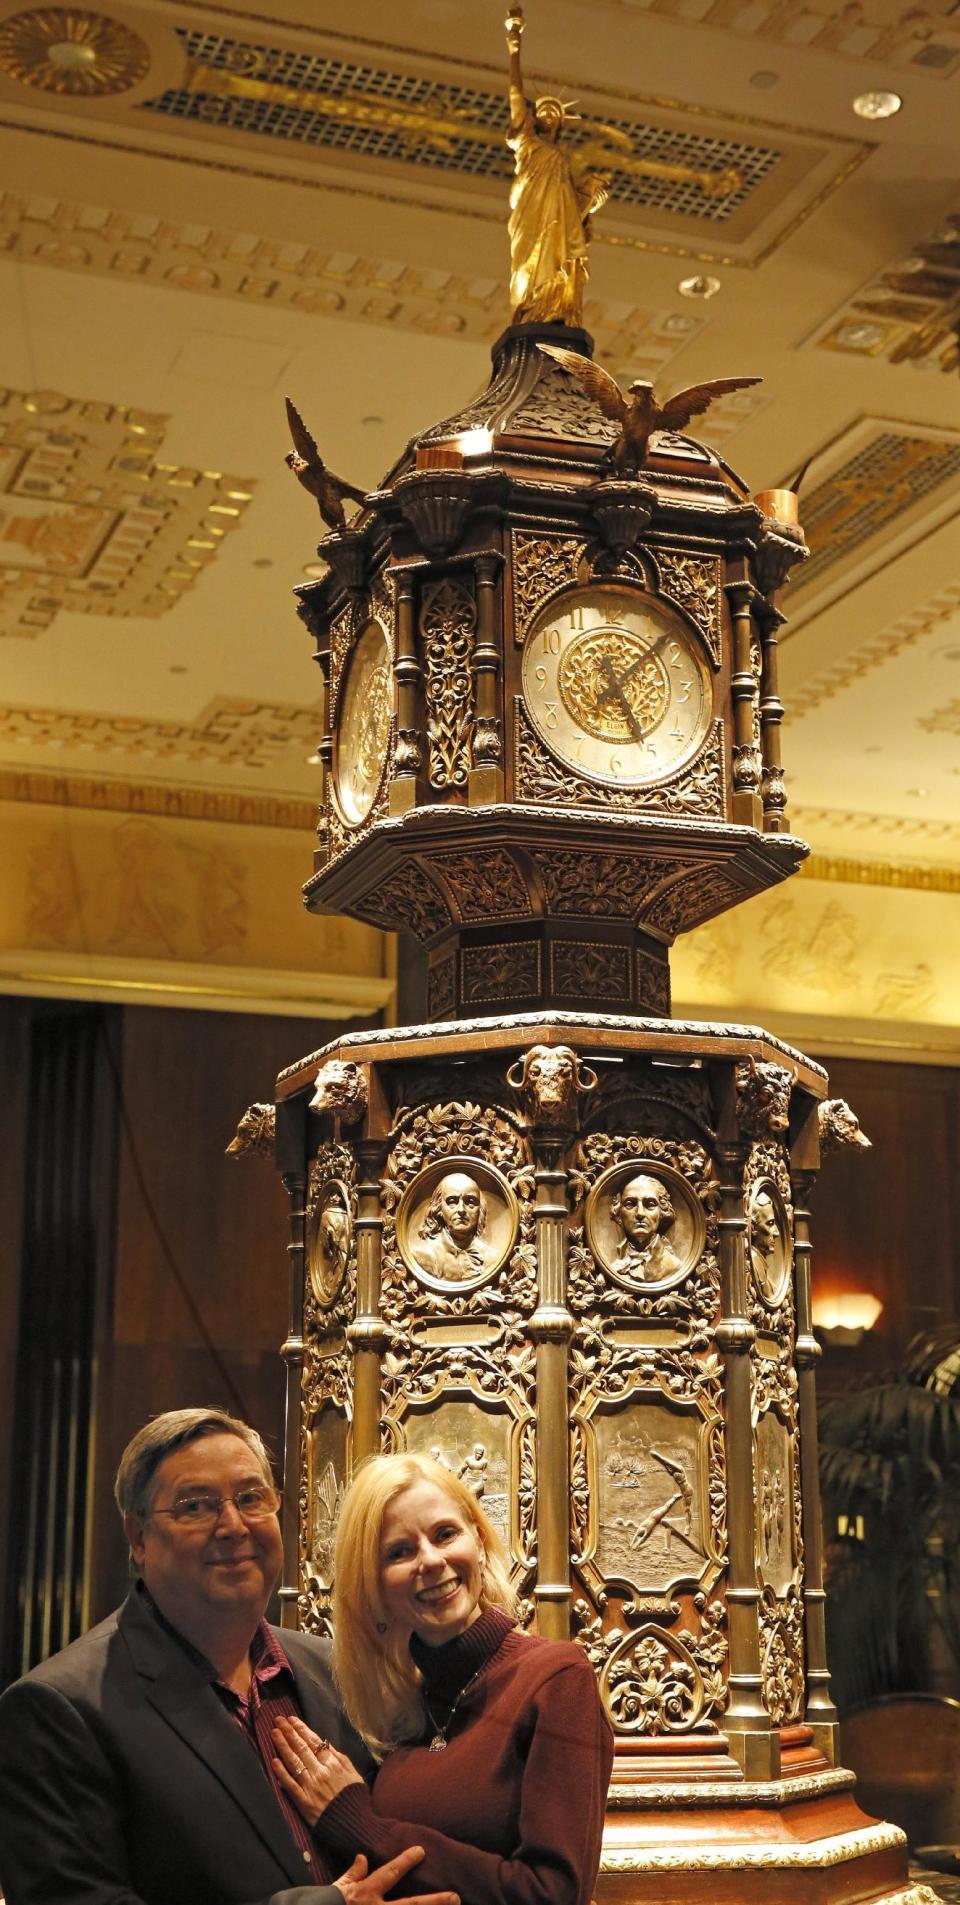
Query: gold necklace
[[438, 1744]]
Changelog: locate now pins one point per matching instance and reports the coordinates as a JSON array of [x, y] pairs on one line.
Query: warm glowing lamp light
[[843, 1320], [475, 442]]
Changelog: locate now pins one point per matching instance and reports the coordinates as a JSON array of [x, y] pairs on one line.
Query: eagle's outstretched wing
[[303, 442], [692, 402], [598, 384]]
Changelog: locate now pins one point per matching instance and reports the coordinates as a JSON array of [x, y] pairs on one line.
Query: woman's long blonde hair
[[378, 1681]]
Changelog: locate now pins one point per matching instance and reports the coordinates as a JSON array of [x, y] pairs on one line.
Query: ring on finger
[[299, 1769]]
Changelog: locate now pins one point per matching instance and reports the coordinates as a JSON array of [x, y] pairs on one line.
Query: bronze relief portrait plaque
[[768, 1238], [456, 1224], [326, 1485], [644, 1225], [650, 1517], [329, 1239], [474, 1444], [774, 1490]]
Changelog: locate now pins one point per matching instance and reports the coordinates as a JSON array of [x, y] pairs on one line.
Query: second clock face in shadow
[[363, 734]]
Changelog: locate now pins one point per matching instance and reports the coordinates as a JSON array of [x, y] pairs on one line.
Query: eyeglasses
[[256, 1502]]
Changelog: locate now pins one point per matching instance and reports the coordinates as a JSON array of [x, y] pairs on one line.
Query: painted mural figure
[[643, 1213], [450, 1242]]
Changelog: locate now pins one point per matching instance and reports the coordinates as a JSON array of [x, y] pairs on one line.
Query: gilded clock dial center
[[616, 684], [364, 731]]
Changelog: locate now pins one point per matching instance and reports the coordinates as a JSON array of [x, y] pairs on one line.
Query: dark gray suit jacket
[[123, 1780]]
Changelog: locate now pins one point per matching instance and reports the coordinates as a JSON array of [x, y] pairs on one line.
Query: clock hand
[[647, 655], [616, 690]]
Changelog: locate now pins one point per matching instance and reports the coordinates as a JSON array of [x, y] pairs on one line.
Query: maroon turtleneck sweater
[[511, 1813]]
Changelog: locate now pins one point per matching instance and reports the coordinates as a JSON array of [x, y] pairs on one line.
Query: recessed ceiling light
[[373, 421], [698, 287], [177, 668], [764, 79], [314, 760], [918, 793], [878, 105], [262, 562], [316, 570]]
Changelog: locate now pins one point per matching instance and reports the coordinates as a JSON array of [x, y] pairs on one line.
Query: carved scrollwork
[[509, 970], [693, 582], [652, 984], [558, 407], [599, 885], [782, 1656], [691, 899], [588, 966], [695, 790], [448, 619], [341, 632], [654, 1682], [487, 884], [411, 898], [541, 566], [442, 988]]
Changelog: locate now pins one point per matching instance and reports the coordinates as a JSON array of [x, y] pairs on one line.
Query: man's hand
[[362, 1888]]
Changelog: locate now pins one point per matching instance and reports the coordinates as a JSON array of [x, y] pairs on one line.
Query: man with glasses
[[138, 1766]]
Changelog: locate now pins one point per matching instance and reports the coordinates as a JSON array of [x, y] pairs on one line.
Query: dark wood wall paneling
[[887, 1220]]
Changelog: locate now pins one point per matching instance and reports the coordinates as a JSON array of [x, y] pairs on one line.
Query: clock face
[[615, 684], [363, 727]]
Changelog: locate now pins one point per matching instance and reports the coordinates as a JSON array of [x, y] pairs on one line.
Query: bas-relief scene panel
[[774, 1489], [475, 1445], [650, 1465], [326, 1484]]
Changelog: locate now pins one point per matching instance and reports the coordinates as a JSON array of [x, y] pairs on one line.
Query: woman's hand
[[309, 1768]]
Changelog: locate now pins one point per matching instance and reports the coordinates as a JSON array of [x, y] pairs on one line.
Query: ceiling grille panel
[[450, 129]]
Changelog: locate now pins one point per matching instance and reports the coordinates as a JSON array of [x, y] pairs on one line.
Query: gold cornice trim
[[169, 802], [850, 872], [619, 1855]]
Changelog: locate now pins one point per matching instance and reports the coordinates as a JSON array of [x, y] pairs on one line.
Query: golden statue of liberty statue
[[551, 203]]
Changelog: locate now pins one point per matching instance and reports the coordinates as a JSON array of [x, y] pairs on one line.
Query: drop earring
[[381, 1627]]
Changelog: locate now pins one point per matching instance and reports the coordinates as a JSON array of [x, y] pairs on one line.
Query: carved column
[[551, 1327], [291, 1158], [747, 1723], [820, 1710], [771, 716], [747, 808], [368, 1335], [485, 779], [408, 756]]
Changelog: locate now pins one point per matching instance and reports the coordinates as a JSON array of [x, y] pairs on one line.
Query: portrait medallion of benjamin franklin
[[457, 1223]]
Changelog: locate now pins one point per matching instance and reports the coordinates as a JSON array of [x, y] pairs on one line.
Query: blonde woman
[[494, 1751]]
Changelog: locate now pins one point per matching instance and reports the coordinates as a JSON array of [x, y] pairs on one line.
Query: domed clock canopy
[[552, 712]]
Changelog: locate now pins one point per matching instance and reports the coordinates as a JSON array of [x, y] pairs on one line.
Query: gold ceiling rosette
[[68, 50]]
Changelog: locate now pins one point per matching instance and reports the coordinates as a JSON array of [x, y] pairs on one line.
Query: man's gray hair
[[158, 1438]]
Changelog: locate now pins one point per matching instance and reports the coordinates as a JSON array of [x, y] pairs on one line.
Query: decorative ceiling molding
[[92, 519], [145, 249], [156, 798], [70, 51], [852, 872], [910, 312], [939, 833], [230, 731], [888, 483], [898, 32], [873, 653], [945, 720]]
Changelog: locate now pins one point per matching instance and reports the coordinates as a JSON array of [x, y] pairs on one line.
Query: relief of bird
[[309, 469], [636, 409]]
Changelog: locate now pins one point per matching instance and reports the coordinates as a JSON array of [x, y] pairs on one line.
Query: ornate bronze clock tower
[[549, 1231]]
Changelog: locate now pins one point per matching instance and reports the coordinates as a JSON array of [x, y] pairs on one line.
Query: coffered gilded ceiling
[[205, 208]]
